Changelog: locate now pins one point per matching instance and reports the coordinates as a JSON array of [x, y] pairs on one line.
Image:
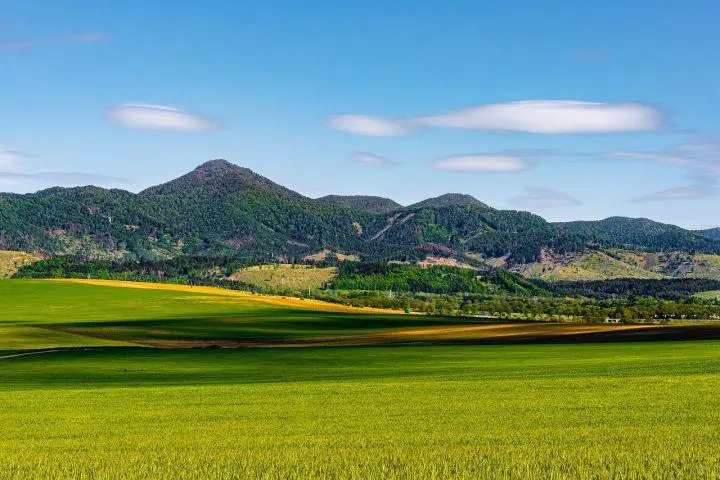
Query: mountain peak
[[457, 199], [219, 176], [218, 165], [218, 168]]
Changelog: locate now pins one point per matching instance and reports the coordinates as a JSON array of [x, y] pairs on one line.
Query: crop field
[[110, 407]]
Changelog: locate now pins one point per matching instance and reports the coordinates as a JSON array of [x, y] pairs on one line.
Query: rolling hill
[[713, 233], [363, 203], [222, 208], [639, 233]]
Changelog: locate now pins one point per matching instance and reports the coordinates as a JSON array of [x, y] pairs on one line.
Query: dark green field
[[105, 409]]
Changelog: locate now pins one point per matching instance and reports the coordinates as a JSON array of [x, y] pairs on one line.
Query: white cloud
[[482, 163], [372, 159], [538, 198], [550, 116], [367, 126], [530, 116], [141, 116]]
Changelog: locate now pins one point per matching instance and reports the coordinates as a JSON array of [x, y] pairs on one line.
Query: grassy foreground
[[647, 410], [112, 408]]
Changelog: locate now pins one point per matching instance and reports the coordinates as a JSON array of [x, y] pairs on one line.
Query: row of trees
[[534, 308], [434, 290]]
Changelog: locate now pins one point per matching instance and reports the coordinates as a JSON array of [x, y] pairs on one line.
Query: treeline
[[184, 269], [670, 289], [639, 310], [383, 276]]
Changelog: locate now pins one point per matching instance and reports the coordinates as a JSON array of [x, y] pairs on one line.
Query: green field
[[106, 409], [714, 295]]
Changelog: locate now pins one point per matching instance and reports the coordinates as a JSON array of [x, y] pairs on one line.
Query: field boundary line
[[30, 353]]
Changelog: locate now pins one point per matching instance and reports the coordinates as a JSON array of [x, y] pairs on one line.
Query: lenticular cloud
[[140, 116], [530, 116], [550, 116]]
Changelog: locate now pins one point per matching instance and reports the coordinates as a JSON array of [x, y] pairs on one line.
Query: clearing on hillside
[[11, 261], [285, 276]]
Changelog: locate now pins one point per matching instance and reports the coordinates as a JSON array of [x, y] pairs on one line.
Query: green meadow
[[114, 407]]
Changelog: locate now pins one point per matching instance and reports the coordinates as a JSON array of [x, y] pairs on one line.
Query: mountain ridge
[[222, 208], [713, 233], [366, 203]]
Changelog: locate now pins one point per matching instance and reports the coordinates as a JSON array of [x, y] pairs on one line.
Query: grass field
[[642, 410], [105, 409], [77, 313], [285, 276], [714, 295]]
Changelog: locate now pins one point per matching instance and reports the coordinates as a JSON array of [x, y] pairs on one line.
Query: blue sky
[[573, 110]]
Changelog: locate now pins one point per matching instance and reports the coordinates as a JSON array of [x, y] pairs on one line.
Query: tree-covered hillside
[[363, 203], [223, 209], [639, 233], [713, 233]]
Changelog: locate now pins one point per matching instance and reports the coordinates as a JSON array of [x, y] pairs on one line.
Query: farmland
[[110, 407]]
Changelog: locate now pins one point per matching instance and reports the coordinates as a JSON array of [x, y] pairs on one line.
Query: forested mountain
[[713, 233], [363, 203], [221, 208], [639, 233], [449, 199]]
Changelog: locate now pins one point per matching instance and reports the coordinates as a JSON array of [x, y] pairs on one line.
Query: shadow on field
[[307, 328]]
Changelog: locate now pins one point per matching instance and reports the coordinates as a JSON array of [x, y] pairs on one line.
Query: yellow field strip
[[267, 299]]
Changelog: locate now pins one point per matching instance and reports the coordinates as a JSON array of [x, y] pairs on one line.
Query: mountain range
[[222, 208]]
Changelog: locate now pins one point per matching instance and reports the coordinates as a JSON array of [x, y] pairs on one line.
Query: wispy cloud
[[368, 126], [23, 44], [14, 171], [65, 178], [10, 157], [140, 116], [688, 192], [373, 160], [530, 116], [701, 159], [482, 163], [541, 198]]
